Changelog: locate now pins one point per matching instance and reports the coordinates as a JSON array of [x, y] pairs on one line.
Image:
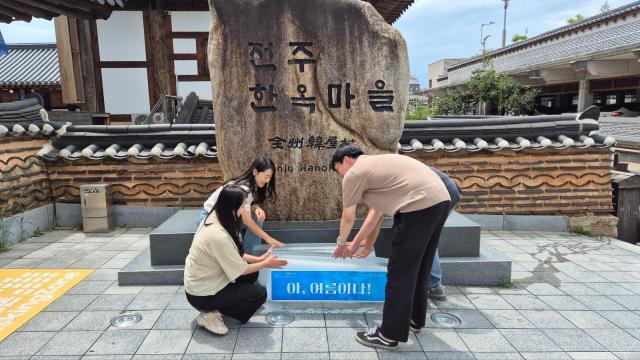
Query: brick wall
[[140, 182], [24, 183], [570, 182]]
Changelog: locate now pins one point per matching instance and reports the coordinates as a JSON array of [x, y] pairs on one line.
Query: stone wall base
[[597, 225]]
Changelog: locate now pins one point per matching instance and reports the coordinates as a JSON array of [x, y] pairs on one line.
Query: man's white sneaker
[[213, 322]]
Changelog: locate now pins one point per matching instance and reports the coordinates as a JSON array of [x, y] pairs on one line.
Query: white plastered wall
[[121, 38]]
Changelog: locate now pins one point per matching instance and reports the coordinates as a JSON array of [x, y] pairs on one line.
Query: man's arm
[[368, 232], [346, 224], [367, 245]]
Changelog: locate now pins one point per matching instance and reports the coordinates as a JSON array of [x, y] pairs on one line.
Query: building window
[[630, 98], [612, 99], [547, 102], [597, 99], [430, 83]]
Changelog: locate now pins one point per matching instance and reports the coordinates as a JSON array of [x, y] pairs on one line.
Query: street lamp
[[482, 38], [504, 23], [483, 42]]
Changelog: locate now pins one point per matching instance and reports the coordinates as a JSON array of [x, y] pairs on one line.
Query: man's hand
[[363, 253], [260, 214], [341, 252], [354, 247]]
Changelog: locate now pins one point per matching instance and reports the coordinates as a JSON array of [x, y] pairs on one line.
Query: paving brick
[[529, 340], [615, 339], [70, 343], [49, 321], [205, 342], [441, 340], [259, 340], [120, 341], [24, 343], [573, 340], [305, 340], [485, 340], [504, 319], [159, 342]]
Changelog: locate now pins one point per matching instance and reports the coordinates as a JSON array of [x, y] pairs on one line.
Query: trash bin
[[97, 214]]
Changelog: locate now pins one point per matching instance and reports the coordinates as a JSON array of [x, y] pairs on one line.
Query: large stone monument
[[294, 79]]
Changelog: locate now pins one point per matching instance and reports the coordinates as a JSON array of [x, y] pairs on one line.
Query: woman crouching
[[219, 278]]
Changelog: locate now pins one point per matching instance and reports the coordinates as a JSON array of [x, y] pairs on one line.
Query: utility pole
[[504, 23]]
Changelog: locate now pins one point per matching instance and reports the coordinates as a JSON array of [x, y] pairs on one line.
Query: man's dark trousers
[[413, 245]]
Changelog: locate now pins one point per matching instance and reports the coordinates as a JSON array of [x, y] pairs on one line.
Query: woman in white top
[[259, 182], [219, 278]]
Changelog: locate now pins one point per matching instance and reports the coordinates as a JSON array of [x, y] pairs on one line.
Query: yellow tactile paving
[[25, 292]]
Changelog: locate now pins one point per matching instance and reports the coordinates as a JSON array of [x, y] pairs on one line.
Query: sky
[[433, 29]]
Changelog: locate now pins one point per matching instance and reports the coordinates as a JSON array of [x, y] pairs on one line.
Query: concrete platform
[[489, 268], [169, 243]]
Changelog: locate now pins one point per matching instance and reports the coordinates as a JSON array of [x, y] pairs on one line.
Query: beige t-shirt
[[213, 261], [392, 183]]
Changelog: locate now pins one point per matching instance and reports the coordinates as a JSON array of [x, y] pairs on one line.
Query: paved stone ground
[[572, 297]]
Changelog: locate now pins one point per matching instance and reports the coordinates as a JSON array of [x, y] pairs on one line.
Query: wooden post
[[159, 50], [65, 58], [86, 63]]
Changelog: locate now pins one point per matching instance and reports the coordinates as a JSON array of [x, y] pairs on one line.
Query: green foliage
[[505, 283], [485, 85], [19, 206], [420, 113], [579, 230], [451, 103], [518, 37], [522, 102], [576, 19]]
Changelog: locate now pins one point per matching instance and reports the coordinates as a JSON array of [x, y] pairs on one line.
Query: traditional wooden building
[[31, 70], [121, 56]]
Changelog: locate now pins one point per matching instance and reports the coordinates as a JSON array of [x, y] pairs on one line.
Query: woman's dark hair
[[261, 163], [351, 150], [229, 201]]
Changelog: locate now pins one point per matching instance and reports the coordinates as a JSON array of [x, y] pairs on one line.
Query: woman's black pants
[[413, 245], [239, 300]]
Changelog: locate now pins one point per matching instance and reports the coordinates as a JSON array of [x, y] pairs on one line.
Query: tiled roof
[[391, 10], [546, 36], [188, 140], [30, 65], [46, 9]]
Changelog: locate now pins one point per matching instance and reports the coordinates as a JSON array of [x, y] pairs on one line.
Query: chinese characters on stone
[[313, 142]]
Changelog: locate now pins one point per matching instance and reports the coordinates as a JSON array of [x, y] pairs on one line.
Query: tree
[[451, 103], [421, 113], [522, 102], [483, 84], [518, 37], [576, 19]]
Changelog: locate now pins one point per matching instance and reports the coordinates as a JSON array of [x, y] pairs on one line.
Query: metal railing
[[164, 111]]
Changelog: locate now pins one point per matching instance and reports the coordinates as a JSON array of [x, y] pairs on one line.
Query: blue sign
[[3, 46], [328, 285]]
